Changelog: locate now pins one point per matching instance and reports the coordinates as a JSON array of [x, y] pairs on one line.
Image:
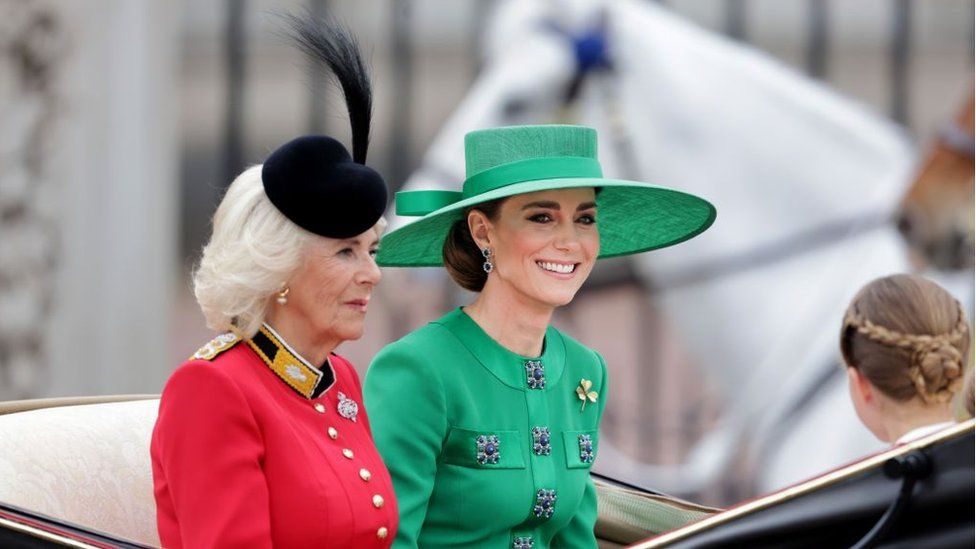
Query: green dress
[[487, 448]]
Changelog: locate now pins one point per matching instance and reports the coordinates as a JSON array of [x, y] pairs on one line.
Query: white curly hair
[[253, 251]]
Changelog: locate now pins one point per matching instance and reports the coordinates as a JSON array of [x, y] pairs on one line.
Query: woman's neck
[[917, 416], [516, 323], [299, 335]]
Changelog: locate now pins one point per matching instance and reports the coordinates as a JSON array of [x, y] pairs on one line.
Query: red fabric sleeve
[[210, 451]]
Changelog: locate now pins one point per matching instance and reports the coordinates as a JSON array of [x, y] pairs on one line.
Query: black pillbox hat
[[316, 184]]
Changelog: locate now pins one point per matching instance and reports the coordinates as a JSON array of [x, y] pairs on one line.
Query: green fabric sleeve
[[404, 397], [579, 532]]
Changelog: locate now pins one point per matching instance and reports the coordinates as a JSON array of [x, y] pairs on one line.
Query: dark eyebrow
[[542, 204], [555, 205]]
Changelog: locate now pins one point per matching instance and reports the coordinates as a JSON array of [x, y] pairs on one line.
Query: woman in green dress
[[488, 417]]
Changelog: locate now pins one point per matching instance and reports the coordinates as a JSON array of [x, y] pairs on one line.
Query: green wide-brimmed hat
[[632, 217]]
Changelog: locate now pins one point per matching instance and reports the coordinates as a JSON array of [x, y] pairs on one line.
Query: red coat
[[251, 450]]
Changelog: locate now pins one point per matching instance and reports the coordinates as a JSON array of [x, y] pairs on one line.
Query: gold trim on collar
[[802, 488], [288, 365]]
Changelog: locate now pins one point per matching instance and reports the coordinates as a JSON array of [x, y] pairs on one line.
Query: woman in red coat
[[261, 438]]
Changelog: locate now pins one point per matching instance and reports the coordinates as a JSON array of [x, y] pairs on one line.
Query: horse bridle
[[957, 139]]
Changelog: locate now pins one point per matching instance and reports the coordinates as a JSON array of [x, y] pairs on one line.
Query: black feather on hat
[[313, 180]]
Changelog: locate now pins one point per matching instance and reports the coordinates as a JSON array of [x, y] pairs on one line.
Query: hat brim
[[632, 217]]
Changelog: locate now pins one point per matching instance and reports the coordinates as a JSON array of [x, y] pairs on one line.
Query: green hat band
[[419, 203]]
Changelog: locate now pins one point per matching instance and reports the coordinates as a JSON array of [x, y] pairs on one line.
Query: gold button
[[377, 501], [382, 532], [320, 408], [365, 474], [333, 433], [347, 452]]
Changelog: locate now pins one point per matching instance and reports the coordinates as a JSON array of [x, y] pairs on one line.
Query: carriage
[[76, 473]]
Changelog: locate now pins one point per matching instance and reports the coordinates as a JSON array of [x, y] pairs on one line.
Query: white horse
[[803, 179]]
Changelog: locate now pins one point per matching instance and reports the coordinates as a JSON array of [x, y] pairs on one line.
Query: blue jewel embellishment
[[545, 503], [586, 448], [523, 543], [535, 374], [540, 441], [488, 449]]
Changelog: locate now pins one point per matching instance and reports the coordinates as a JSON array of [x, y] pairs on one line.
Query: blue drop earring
[[488, 266]]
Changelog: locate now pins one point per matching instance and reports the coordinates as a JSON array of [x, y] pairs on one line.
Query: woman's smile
[[558, 269]]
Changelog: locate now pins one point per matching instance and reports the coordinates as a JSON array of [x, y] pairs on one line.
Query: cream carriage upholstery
[[85, 463]]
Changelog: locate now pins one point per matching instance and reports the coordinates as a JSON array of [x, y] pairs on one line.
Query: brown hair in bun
[[909, 337], [462, 256]]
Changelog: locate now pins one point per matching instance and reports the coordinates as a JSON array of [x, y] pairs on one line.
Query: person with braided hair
[[905, 341]]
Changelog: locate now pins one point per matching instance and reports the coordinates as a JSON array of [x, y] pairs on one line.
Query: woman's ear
[[480, 227], [867, 404], [860, 386]]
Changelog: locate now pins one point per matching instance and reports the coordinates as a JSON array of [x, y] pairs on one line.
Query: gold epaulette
[[216, 346]]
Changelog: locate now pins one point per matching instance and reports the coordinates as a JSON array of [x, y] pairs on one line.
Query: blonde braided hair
[[936, 362]]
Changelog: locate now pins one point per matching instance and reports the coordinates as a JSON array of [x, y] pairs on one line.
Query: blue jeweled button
[[586, 448], [488, 449], [535, 374], [540, 441], [523, 542], [545, 503]]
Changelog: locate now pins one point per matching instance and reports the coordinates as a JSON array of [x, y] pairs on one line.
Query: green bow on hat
[[632, 217]]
